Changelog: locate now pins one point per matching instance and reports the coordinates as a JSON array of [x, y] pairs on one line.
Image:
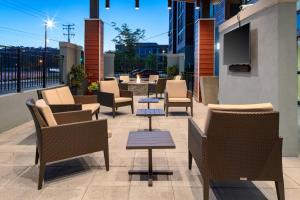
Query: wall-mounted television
[[237, 49]]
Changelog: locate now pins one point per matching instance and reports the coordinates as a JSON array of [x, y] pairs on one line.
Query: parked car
[[135, 72], [147, 72]]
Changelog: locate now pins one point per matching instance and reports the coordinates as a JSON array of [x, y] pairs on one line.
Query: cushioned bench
[[60, 99]]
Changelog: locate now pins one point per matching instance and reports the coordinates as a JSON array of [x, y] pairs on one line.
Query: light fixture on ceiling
[[197, 4], [107, 4], [137, 4], [169, 4]]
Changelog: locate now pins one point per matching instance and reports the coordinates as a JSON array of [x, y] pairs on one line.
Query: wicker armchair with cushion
[[178, 78], [111, 96], [124, 78], [237, 143], [60, 99], [153, 78], [157, 88], [177, 95], [66, 135]]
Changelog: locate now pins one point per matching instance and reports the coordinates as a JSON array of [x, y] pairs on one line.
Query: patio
[[85, 177]]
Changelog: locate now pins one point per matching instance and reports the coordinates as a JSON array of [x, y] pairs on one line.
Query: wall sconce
[[198, 4], [169, 4]]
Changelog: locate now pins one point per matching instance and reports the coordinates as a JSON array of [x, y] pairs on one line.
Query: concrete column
[[273, 77], [109, 64], [72, 55]]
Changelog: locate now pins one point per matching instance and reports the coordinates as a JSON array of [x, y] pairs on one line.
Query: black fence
[[21, 70]]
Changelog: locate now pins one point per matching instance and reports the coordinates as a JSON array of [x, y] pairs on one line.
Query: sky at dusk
[[21, 21]]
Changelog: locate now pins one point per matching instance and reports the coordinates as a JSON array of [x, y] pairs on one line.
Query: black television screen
[[237, 46]]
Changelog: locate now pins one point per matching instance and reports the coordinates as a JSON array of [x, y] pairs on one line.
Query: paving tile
[[16, 193], [184, 177], [293, 173], [8, 173], [61, 193], [116, 176], [150, 193], [106, 193]]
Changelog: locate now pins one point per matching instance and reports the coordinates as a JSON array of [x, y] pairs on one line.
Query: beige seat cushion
[[46, 112], [179, 100], [176, 89], [123, 99], [65, 95], [109, 133], [125, 79], [263, 107], [92, 106], [110, 87], [153, 78], [51, 97]]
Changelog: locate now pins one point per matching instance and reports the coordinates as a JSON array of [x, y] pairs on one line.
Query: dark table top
[[149, 100], [150, 140], [150, 112]]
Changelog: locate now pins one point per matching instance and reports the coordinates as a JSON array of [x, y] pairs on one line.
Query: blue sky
[[28, 16]]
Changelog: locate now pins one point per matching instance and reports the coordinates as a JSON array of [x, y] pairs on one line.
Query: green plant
[[172, 71], [77, 75], [94, 86]]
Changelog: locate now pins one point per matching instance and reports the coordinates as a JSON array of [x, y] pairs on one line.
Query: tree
[[151, 61], [125, 58]]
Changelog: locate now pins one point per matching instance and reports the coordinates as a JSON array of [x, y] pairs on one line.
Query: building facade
[[143, 50]]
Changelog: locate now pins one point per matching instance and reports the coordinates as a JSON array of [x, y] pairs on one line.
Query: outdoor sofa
[[237, 143], [60, 99], [66, 135]]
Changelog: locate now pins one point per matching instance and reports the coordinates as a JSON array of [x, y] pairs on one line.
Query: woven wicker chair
[[60, 99], [237, 144], [66, 135], [111, 96], [157, 88], [177, 95]]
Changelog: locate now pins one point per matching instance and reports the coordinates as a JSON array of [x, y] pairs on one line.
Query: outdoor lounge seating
[[178, 77], [177, 95], [66, 135], [158, 88], [153, 78], [237, 143], [60, 99], [124, 78], [111, 96]]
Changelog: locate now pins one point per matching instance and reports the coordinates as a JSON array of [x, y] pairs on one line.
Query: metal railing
[[21, 70]]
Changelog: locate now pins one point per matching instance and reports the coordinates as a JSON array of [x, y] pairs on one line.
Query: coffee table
[[148, 101], [150, 113], [150, 141]]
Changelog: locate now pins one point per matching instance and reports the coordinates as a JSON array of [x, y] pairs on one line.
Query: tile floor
[[85, 177]]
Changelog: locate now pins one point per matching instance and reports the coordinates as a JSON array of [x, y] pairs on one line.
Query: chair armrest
[[73, 117], [65, 108], [85, 99], [106, 99], [68, 140], [196, 128], [124, 93], [189, 94]]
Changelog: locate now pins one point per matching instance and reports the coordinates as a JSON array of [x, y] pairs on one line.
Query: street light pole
[[44, 56]]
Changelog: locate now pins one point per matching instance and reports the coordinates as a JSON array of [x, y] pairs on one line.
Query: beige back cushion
[[153, 78], [262, 107], [65, 95], [124, 78], [51, 97], [110, 87], [177, 78], [176, 89], [46, 112]]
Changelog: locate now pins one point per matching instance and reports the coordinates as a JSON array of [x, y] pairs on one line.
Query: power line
[[69, 28]]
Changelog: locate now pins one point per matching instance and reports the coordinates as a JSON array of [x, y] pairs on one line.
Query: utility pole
[[69, 28]]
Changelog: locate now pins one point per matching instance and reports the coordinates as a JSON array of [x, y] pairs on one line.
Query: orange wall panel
[[204, 53]]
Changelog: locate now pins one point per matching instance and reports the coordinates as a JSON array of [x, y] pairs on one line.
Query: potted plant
[[93, 88], [172, 71], [77, 80]]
